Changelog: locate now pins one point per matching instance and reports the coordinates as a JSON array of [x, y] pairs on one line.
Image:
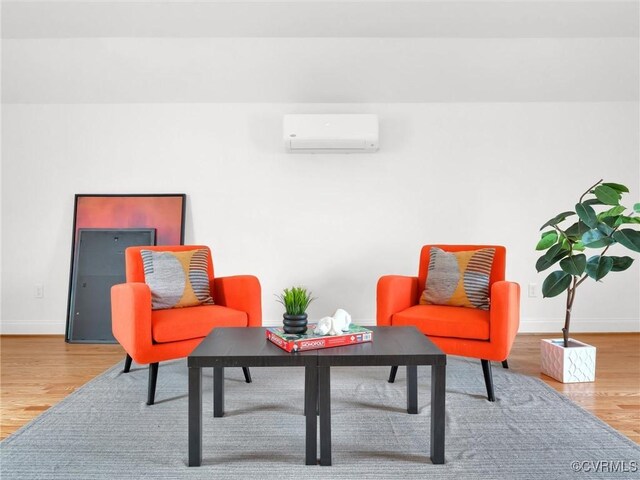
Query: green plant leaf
[[620, 264], [556, 283], [612, 221], [622, 219], [604, 228], [587, 214], [612, 212], [576, 230], [594, 238], [557, 219], [636, 207], [629, 238], [593, 201], [579, 246], [547, 239], [607, 195], [574, 264], [555, 250], [598, 266], [617, 187], [295, 300], [543, 262]]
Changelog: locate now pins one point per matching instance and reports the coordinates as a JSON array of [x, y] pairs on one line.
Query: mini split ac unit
[[331, 133]]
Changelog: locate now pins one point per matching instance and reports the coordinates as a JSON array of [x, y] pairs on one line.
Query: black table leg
[[310, 402], [438, 393], [412, 389], [324, 401], [316, 407], [218, 391], [195, 416]]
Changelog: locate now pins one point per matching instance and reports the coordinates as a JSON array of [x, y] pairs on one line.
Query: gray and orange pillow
[[459, 279], [177, 279]]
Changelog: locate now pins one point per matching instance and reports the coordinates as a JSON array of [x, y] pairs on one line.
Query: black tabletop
[[248, 346], [390, 346], [244, 347]]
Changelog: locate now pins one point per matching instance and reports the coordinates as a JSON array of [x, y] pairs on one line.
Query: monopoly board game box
[[310, 341]]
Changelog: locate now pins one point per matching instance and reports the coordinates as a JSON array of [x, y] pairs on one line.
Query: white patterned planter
[[576, 363]]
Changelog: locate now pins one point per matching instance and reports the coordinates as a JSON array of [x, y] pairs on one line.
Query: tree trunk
[[571, 291]]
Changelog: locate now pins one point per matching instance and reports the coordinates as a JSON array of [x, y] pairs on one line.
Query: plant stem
[[589, 189], [571, 294]]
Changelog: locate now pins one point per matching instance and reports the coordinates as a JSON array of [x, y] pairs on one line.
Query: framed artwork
[[164, 213]]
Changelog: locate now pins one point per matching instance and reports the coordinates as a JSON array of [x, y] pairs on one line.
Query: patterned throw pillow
[[177, 279], [458, 279]]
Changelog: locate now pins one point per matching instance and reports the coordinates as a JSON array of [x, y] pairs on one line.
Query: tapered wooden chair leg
[[127, 363], [247, 374], [488, 379], [392, 374], [505, 364], [153, 377]]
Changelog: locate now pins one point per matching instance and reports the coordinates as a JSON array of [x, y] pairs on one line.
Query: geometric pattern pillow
[[459, 279], [177, 279]]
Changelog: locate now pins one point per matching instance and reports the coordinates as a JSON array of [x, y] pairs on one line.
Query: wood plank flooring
[[39, 371]]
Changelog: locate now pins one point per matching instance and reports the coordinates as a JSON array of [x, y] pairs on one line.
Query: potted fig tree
[[295, 301], [581, 251]]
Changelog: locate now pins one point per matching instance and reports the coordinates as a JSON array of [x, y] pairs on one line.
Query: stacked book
[[310, 341]]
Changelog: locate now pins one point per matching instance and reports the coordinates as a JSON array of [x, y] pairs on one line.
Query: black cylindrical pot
[[294, 323]]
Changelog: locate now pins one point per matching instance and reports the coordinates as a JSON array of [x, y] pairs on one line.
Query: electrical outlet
[[533, 290], [38, 290]]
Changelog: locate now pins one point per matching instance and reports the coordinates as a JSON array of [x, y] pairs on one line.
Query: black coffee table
[[244, 347], [390, 346], [248, 347]]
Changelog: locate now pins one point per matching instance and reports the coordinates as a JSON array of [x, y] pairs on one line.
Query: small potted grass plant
[[295, 301], [581, 251]]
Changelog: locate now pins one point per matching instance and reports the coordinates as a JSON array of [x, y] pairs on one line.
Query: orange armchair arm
[[240, 292], [504, 316], [131, 318], [394, 294]]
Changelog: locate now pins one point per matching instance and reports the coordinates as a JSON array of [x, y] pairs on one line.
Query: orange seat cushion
[[444, 321], [176, 324]]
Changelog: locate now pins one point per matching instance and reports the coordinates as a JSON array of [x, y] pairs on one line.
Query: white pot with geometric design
[[575, 363]]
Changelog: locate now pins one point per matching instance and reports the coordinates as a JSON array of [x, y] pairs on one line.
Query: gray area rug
[[104, 430]]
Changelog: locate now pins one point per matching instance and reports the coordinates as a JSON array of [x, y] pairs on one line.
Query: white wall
[[446, 173], [494, 117]]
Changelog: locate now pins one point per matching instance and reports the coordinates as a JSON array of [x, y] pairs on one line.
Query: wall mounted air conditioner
[[331, 133]]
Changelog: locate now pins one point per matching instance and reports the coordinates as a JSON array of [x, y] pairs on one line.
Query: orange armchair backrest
[[497, 270], [133, 259]]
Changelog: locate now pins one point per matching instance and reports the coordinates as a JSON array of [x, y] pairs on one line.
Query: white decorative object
[[341, 320], [575, 363], [323, 326], [335, 325], [319, 133]]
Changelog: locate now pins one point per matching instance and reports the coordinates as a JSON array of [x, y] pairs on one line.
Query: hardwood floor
[[615, 395], [39, 371]]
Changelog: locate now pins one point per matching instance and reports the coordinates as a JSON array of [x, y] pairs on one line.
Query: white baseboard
[[583, 325], [534, 325], [527, 325], [31, 327]]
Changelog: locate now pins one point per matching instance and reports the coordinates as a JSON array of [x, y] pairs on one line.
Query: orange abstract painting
[[165, 213]]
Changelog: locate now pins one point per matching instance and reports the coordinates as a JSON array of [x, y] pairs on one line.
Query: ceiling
[[456, 19], [86, 51]]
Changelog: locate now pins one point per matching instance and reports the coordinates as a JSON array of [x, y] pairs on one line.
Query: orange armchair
[[468, 332], [151, 336]]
